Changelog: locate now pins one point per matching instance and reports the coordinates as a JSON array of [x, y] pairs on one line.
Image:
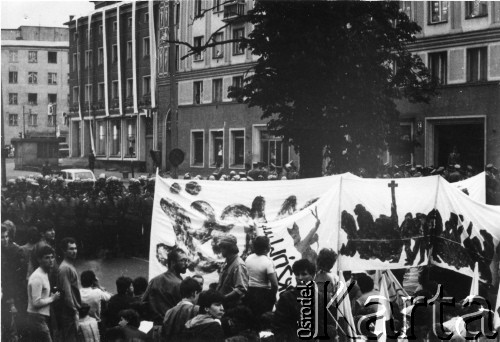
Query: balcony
[[234, 11]]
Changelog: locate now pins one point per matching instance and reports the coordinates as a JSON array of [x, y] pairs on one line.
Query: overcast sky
[[41, 13]]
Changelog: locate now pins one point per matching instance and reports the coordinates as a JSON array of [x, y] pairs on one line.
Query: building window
[[33, 120], [216, 148], [217, 90], [75, 62], [197, 92], [88, 93], [198, 42], [32, 77], [129, 22], [12, 77], [101, 138], [100, 91], [129, 50], [406, 8], [100, 30], [273, 151], [12, 98], [217, 7], [100, 56], [115, 26], [217, 51], [476, 64], [197, 146], [114, 53], [88, 59], [76, 95], [197, 8], [52, 57], [238, 34], [51, 120], [53, 98], [146, 85], [131, 138], [52, 78], [146, 18], [476, 9], [130, 87], [237, 152], [114, 89], [13, 56], [32, 99], [145, 47], [238, 81], [438, 66], [438, 12], [115, 138], [32, 56], [13, 119]]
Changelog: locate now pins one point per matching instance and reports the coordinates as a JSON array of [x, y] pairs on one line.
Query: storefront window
[[115, 138], [101, 139], [131, 138]]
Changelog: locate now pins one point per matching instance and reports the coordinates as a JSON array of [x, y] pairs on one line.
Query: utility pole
[[4, 174]]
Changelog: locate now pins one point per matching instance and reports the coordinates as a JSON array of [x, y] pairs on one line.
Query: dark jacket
[[203, 328]]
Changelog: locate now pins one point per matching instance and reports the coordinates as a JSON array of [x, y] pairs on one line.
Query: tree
[[328, 76]]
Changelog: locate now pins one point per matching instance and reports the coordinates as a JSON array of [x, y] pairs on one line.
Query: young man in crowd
[[123, 300], [67, 282], [163, 292], [48, 236], [127, 329], [233, 280], [176, 318], [93, 294], [40, 296], [206, 326]]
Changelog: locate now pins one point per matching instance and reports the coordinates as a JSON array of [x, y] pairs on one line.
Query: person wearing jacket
[[206, 326]]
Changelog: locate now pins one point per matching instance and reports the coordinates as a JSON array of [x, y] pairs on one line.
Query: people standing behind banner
[[163, 292], [262, 279], [176, 318], [40, 296], [93, 294], [324, 263], [121, 301], [233, 278], [67, 282]]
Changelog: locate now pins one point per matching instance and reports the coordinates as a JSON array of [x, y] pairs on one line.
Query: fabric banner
[[371, 223], [475, 187]]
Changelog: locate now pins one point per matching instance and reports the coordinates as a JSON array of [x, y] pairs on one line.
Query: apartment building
[[112, 83], [460, 44], [206, 119], [35, 82]]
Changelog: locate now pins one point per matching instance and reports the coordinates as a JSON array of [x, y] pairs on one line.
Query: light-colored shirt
[[39, 293], [93, 297], [259, 266], [88, 330]]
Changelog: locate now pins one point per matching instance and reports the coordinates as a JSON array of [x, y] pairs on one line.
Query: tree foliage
[[328, 75]]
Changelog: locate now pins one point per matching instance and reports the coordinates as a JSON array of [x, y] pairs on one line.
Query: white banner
[[475, 187], [371, 223]]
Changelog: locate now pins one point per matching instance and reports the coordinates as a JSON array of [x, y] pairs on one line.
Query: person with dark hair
[[163, 291], [88, 330], [40, 296], [199, 279], [288, 308], [93, 294], [33, 238], [366, 287], [67, 282], [324, 263], [127, 329], [121, 301], [240, 325], [233, 280], [47, 238], [263, 282], [206, 326], [186, 309], [140, 286]]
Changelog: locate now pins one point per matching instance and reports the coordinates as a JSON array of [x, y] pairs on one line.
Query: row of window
[[217, 89], [114, 54], [439, 10], [33, 56], [146, 90], [32, 98], [476, 65], [33, 77], [88, 34], [32, 120], [217, 51], [272, 150], [109, 137]]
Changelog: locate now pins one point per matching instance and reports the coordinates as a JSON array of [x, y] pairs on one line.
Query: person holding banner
[[233, 280]]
